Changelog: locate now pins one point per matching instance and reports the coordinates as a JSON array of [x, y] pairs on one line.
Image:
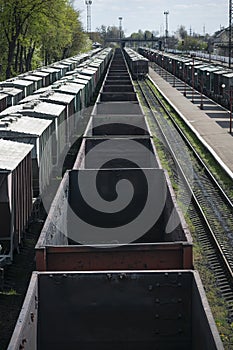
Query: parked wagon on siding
[[54, 74], [3, 101], [56, 97], [13, 95], [15, 195], [49, 111], [139, 65], [36, 132], [63, 67], [27, 87], [37, 81], [45, 75]]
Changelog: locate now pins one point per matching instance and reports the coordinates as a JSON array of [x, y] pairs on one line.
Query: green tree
[[38, 32], [14, 16], [182, 32], [110, 32]]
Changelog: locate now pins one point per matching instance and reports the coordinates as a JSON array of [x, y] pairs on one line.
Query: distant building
[[220, 42]]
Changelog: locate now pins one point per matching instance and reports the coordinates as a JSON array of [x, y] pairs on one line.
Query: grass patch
[[11, 292]]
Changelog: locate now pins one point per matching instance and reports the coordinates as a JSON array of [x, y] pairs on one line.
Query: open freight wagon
[[118, 310], [65, 244]]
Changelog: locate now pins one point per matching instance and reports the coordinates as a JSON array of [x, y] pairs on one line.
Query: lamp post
[[168, 68], [230, 32], [162, 59], [193, 57], [173, 72], [180, 70], [229, 93], [185, 80], [166, 13], [120, 26], [155, 61], [209, 88], [88, 3], [200, 81]]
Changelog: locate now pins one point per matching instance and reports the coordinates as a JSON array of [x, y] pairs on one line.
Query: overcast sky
[[199, 15]]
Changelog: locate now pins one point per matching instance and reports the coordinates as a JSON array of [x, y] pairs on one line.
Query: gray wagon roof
[[49, 96], [228, 75], [69, 87], [30, 77], [44, 108], [13, 82], [10, 110], [76, 80], [56, 96], [223, 71], [10, 90], [23, 125], [43, 89], [30, 98], [59, 65], [12, 153], [41, 73], [50, 70], [37, 107], [2, 95]]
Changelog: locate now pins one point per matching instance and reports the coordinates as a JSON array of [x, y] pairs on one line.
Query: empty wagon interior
[[138, 310]]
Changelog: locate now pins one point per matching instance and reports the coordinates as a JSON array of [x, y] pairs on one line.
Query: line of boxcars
[[99, 285], [15, 89], [213, 79], [137, 63], [46, 121]]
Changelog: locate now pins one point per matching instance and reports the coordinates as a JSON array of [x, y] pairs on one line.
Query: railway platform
[[210, 124]]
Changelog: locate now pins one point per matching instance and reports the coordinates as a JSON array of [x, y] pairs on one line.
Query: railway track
[[202, 198]]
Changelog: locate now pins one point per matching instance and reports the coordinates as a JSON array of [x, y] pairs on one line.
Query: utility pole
[[230, 31], [204, 30], [88, 3], [120, 27], [166, 13]]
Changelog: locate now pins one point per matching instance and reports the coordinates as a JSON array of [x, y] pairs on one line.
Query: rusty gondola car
[[129, 310]]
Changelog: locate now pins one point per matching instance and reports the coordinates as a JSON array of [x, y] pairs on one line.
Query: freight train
[[212, 79], [137, 63], [46, 120], [14, 89], [114, 258]]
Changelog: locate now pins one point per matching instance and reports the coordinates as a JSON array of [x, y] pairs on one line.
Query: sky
[[202, 16]]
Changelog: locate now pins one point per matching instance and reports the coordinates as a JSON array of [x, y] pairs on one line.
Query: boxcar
[[139, 65], [15, 194], [38, 81], [3, 101], [36, 132], [26, 86], [13, 95], [45, 75], [49, 111], [55, 74]]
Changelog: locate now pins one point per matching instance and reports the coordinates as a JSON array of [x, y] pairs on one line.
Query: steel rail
[[213, 243]]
